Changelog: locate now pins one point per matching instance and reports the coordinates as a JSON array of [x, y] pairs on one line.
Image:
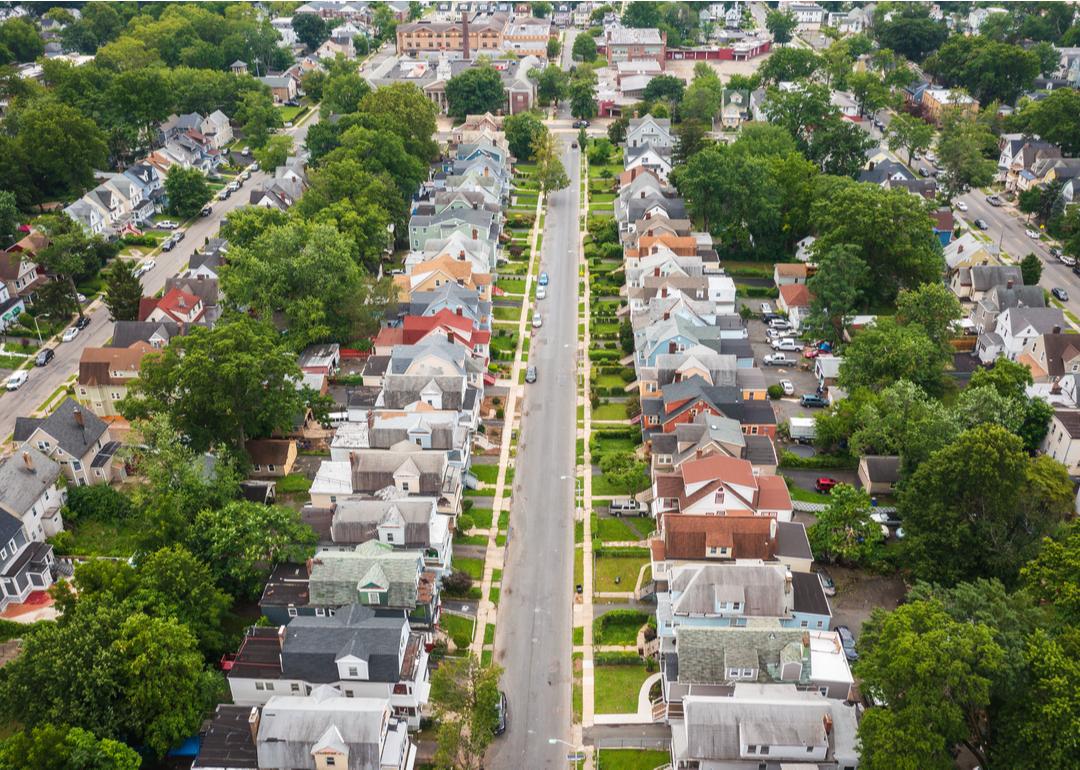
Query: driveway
[[532, 637]]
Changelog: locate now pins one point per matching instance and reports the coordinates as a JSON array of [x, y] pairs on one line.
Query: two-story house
[[722, 485], [106, 373], [30, 511], [76, 438]]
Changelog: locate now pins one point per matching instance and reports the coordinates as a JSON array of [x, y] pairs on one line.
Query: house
[[467, 37], [324, 729], [967, 251], [878, 474], [106, 373], [321, 359], [412, 523], [804, 249], [1062, 441], [30, 511], [1015, 327], [155, 333], [734, 107], [703, 538], [935, 102], [795, 301], [708, 435], [972, 283], [720, 485], [788, 725], [682, 402], [740, 595], [18, 269], [985, 313], [76, 438], [978, 16], [809, 16], [827, 370], [1051, 357], [785, 273], [284, 88], [10, 307], [177, 305], [526, 36], [271, 457], [885, 171], [944, 222], [627, 43], [354, 650], [215, 128], [646, 156], [654, 132]]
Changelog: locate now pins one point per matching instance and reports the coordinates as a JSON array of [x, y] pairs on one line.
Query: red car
[[825, 484], [811, 353]]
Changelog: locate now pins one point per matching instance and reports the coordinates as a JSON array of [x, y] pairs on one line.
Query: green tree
[[553, 48], [665, 87], [49, 747], [521, 131], [19, 41], [222, 385], [886, 352], [869, 91], [1053, 576], [551, 84], [988, 69], [901, 420], [242, 541], [890, 228], [625, 472], [276, 150], [187, 191], [781, 25], [123, 291], [844, 531], [584, 48], [909, 133], [964, 146], [549, 168], [1055, 118], [582, 92], [125, 677], [839, 147], [702, 98], [788, 64], [343, 93], [258, 116], [466, 695], [936, 675], [836, 291], [911, 32], [475, 91], [1031, 269], [70, 256], [691, 137], [311, 29], [934, 308], [403, 109], [9, 217], [980, 507], [641, 15]]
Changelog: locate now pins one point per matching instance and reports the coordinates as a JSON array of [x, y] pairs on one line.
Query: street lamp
[[577, 756]]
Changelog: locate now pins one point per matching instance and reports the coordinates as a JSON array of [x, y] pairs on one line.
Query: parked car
[[255, 166], [621, 506], [82, 322], [786, 344], [811, 353], [827, 584], [179, 234], [246, 151], [44, 356], [961, 206], [573, 144], [777, 359], [543, 280], [1060, 294], [70, 333], [1055, 252], [1066, 260], [168, 224], [779, 323], [206, 211], [224, 194], [813, 401], [501, 714], [530, 375], [766, 308], [889, 519], [581, 124], [847, 641], [168, 244], [234, 186], [824, 484], [994, 200], [924, 171], [1032, 234], [541, 292], [292, 103], [17, 380], [981, 224], [766, 317], [537, 320], [788, 387]]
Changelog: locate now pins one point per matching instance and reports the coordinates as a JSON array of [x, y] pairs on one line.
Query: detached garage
[[879, 473]]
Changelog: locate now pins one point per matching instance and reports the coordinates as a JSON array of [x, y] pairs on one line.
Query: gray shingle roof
[[313, 645], [706, 653], [20, 485], [338, 577], [69, 435]]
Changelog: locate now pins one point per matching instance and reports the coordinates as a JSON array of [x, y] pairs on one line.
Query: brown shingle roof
[[749, 537], [96, 365]]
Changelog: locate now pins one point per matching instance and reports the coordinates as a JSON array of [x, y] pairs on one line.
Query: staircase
[[663, 712]]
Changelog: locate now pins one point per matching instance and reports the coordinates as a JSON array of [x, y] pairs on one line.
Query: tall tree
[[641, 15], [781, 25], [49, 747], [403, 109], [1055, 118], [988, 69], [934, 308], [467, 696], [9, 217], [583, 94], [222, 385], [836, 291], [844, 531], [1053, 576], [551, 84], [126, 677], [187, 191], [243, 540], [584, 48], [311, 29], [910, 32], [521, 131], [936, 674], [1031, 269], [965, 147], [909, 133], [123, 291], [886, 352], [789, 64], [258, 116], [475, 91], [549, 168]]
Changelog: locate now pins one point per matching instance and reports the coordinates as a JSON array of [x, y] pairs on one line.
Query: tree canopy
[[475, 91]]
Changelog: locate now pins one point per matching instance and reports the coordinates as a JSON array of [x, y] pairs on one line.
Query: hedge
[[831, 462], [622, 551], [760, 292], [617, 659]]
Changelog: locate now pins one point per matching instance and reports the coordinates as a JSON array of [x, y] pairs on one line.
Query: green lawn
[[603, 443], [293, 484], [806, 496], [608, 568], [617, 530], [603, 487], [458, 628], [507, 313], [631, 759], [616, 411], [619, 627], [475, 567], [617, 687], [602, 197], [489, 474], [512, 285], [104, 538], [288, 114], [489, 633], [609, 381]]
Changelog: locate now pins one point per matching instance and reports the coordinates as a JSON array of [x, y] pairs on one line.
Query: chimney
[[667, 315], [465, 35], [28, 461], [78, 415], [698, 454], [805, 635], [1057, 330], [461, 255], [787, 581], [643, 195], [671, 346], [474, 234], [827, 722], [664, 292], [1009, 283], [458, 312], [656, 272], [253, 724], [281, 636], [960, 249]]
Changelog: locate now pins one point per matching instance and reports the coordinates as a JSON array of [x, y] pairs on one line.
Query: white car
[[71, 333], [961, 206], [1066, 260], [246, 151], [1031, 234], [766, 307], [537, 320], [168, 224], [788, 387], [17, 380], [541, 292]]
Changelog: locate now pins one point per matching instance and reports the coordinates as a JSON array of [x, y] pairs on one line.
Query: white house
[[1062, 440]]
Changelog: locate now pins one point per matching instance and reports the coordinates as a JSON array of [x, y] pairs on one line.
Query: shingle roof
[[313, 644], [63, 426], [21, 484], [338, 577], [748, 537]]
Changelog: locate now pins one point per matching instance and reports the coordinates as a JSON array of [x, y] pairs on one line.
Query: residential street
[[532, 640], [43, 381]]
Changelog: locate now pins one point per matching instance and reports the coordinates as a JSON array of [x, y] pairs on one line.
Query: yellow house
[[435, 273]]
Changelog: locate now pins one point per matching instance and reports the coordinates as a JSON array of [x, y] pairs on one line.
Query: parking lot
[[801, 375]]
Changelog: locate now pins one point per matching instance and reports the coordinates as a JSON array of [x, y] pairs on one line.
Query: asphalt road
[[44, 381], [532, 638]]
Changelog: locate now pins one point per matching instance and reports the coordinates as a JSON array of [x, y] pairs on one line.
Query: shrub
[[628, 375], [62, 543], [465, 522], [617, 658], [99, 501], [775, 392], [457, 583], [833, 462]]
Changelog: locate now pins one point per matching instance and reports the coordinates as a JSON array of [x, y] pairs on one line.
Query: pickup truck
[[787, 344], [777, 359]]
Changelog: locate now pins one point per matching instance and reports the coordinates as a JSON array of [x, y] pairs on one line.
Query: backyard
[[617, 687], [631, 759], [617, 569]]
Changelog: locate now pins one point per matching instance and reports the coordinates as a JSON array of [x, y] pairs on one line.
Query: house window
[[295, 687], [321, 613], [43, 446], [270, 468], [333, 498], [256, 468], [804, 624], [76, 465], [373, 597], [404, 486], [735, 605], [348, 693], [389, 537], [292, 612], [353, 671], [330, 761]]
